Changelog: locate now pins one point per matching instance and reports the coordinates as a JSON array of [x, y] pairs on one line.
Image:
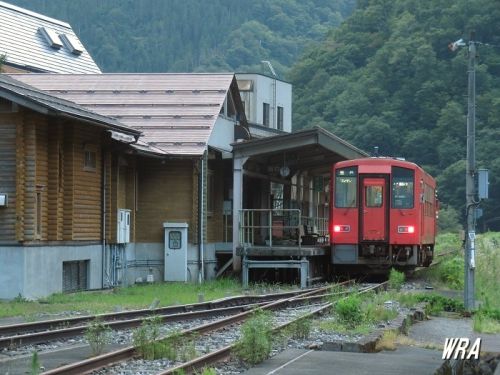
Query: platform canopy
[[315, 150], [309, 153]]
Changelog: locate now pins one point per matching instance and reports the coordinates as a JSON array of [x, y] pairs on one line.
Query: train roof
[[381, 161]]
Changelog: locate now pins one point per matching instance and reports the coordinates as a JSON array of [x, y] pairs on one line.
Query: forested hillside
[[386, 78], [195, 35]]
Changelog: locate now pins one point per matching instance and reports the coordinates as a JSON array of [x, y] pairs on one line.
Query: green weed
[[484, 324], [98, 335], [35, 364], [396, 279], [255, 344], [145, 340], [301, 329], [349, 311]]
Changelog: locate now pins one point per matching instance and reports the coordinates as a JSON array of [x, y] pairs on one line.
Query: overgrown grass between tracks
[[133, 297], [359, 314]]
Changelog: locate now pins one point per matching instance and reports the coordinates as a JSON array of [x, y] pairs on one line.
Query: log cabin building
[[104, 178], [54, 156], [179, 170]]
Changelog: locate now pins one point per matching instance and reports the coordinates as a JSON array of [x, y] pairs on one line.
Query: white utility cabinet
[[176, 245]]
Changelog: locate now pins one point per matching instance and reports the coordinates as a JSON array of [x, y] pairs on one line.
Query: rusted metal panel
[[41, 102], [175, 112]]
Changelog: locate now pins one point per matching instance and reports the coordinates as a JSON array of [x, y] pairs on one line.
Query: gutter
[[103, 213], [201, 223]]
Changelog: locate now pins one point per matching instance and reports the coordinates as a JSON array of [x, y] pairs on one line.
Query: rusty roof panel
[[22, 93], [175, 112]]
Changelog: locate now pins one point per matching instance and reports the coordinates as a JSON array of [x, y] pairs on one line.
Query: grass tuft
[[396, 279], [255, 344], [387, 341], [98, 336]]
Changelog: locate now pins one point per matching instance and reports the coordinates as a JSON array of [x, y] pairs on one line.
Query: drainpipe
[[201, 205], [103, 213]]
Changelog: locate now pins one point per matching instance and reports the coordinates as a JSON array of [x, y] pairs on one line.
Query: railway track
[[32, 327], [222, 354], [44, 331], [105, 360]]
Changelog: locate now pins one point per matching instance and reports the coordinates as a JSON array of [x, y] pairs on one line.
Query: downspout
[[103, 214], [201, 211]]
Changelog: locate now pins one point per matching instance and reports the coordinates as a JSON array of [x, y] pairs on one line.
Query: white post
[[237, 206]]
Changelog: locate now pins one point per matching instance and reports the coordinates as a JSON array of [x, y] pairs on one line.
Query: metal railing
[[259, 226], [318, 225]]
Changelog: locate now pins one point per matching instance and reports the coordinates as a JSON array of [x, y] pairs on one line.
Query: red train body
[[382, 214]]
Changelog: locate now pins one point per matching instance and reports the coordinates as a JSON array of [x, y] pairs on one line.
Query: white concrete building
[[268, 103]]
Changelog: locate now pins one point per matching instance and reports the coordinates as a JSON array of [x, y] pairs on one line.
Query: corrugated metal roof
[[175, 112], [27, 95], [25, 47]]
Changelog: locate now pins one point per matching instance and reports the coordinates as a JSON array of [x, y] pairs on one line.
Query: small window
[[374, 196], [402, 187], [265, 114], [346, 183], [280, 118], [90, 159], [75, 275], [174, 240]]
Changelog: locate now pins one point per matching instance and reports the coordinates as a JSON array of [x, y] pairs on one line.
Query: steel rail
[[41, 337], [225, 352], [45, 325], [117, 356]]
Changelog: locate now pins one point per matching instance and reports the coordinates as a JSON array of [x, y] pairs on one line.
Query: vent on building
[[75, 275], [245, 85], [72, 43], [51, 37]]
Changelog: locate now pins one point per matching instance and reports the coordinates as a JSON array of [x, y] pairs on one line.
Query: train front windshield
[[346, 183], [402, 187]]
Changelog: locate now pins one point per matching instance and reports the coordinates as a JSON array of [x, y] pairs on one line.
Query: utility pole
[[470, 188]]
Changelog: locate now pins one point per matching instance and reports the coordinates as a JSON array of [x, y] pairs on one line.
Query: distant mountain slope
[[386, 78], [195, 35]]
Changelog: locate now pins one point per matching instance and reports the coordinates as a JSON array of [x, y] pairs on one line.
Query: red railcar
[[382, 214]]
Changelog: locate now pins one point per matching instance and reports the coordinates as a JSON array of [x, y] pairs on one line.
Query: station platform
[[404, 360], [302, 258]]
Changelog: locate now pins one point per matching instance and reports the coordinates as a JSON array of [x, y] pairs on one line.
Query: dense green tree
[[386, 78], [195, 35]]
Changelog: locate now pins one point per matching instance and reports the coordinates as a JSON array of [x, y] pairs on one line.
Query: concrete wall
[[36, 271], [138, 253], [262, 92]]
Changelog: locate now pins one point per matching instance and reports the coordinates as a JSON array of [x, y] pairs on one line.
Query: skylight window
[[72, 43], [51, 37]]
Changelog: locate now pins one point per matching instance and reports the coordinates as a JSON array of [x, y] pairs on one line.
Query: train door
[[374, 207]]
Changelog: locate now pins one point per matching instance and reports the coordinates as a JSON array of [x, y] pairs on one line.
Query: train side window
[[346, 183], [373, 196], [402, 187]]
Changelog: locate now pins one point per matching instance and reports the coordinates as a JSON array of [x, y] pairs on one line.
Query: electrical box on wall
[[123, 234], [4, 200]]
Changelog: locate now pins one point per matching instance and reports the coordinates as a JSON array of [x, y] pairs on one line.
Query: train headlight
[[341, 228], [406, 229]]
